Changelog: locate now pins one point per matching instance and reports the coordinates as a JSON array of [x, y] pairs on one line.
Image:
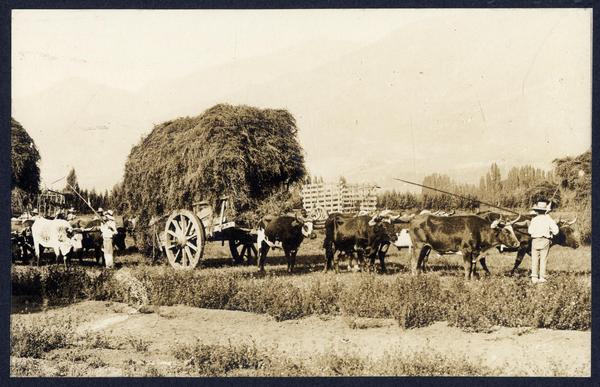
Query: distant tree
[[342, 181], [72, 180], [25, 171]]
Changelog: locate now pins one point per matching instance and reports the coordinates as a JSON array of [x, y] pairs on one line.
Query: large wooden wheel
[[243, 248], [184, 239]]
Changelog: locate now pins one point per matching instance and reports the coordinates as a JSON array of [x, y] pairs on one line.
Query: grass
[[34, 340], [442, 294], [60, 352]]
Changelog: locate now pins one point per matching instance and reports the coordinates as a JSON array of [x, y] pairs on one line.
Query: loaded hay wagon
[[186, 233]]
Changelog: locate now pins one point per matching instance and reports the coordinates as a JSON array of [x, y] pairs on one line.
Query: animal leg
[[414, 260], [336, 262], [425, 259], [288, 257], [329, 254], [382, 252], [468, 264], [484, 266], [360, 260], [475, 257], [264, 249], [293, 259], [37, 253], [520, 255]]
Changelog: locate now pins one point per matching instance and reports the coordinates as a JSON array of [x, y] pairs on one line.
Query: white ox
[[56, 234]]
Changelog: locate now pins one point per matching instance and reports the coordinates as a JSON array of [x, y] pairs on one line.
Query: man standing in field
[[108, 229], [541, 229]]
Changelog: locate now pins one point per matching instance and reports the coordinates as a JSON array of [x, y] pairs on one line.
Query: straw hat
[[34, 211], [541, 206], [71, 209], [109, 217]]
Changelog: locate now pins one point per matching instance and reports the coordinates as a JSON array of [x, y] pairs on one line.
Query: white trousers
[[108, 252], [539, 257]]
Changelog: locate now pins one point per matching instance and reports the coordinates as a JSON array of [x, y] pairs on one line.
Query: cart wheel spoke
[[191, 246], [189, 228], [184, 226]]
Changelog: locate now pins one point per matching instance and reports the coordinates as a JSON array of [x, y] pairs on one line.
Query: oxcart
[[186, 233]]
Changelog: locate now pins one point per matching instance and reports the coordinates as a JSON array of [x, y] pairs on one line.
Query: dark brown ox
[[566, 237], [470, 235], [364, 235], [286, 232]]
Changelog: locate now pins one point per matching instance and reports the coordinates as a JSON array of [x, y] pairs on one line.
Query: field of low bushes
[[50, 347], [562, 303]]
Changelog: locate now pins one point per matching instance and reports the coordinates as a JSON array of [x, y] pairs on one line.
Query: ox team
[[472, 236], [362, 236], [65, 236]]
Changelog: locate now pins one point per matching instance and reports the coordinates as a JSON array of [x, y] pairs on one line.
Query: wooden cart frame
[[186, 233]]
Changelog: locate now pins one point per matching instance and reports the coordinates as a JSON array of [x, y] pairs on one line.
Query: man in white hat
[[108, 229], [541, 229], [71, 214], [99, 214]]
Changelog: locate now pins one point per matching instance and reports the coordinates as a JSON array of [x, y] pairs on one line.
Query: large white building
[[339, 197]]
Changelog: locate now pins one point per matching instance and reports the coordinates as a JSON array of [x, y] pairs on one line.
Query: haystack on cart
[[186, 233]]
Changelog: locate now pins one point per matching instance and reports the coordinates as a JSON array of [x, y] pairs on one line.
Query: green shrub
[[218, 360], [202, 289], [27, 282], [369, 296], [419, 301], [322, 296], [65, 285], [24, 367], [276, 297], [430, 363], [44, 335], [561, 304]]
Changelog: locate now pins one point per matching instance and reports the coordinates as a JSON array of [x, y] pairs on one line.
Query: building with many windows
[[344, 198]]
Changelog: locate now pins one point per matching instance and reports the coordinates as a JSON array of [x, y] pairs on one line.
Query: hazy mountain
[[430, 97]]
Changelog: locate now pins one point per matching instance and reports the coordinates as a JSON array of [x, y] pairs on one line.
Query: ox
[[92, 240], [56, 234], [286, 232], [566, 237], [470, 235], [365, 235], [21, 239]]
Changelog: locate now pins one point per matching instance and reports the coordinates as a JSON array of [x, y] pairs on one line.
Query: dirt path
[[518, 351]]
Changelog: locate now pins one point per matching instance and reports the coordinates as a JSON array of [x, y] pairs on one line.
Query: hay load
[[25, 171], [247, 153]]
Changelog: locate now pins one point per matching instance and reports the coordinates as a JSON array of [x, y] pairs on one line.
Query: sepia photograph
[[301, 192]]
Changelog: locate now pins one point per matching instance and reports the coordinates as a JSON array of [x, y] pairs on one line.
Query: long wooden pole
[[460, 196]]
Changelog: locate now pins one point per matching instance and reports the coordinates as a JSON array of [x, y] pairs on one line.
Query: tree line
[[568, 185]]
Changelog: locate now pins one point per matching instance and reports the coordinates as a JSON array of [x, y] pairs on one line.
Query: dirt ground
[[517, 351]]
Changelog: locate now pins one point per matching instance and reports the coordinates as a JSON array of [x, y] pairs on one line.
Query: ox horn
[[373, 220], [514, 221], [573, 221]]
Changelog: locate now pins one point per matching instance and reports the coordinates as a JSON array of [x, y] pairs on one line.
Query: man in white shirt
[[71, 215], [542, 228], [108, 229]]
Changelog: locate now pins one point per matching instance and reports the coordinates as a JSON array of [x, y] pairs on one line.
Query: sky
[[376, 93]]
